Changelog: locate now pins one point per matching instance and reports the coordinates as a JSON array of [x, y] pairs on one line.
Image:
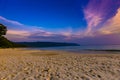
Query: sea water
[[85, 48]]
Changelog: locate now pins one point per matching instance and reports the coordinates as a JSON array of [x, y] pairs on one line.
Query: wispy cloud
[[18, 33], [21, 32], [15, 25], [97, 12], [112, 26], [10, 21]]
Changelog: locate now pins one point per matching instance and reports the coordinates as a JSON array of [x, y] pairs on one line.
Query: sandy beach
[[21, 64]]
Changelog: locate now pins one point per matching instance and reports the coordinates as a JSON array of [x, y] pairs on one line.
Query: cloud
[[99, 40], [10, 21], [17, 35], [15, 25], [97, 12], [112, 26], [68, 33], [103, 23], [21, 32]]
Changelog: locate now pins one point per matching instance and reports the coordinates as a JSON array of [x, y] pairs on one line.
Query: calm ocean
[[85, 49]]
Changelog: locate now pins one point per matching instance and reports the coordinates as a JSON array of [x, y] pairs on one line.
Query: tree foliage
[[4, 42], [3, 30]]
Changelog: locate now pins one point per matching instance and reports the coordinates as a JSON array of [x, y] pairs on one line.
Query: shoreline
[[19, 64]]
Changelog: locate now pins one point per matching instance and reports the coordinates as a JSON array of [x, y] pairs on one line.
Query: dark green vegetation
[[47, 44], [4, 42], [3, 30]]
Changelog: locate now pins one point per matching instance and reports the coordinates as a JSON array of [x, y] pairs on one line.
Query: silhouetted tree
[[3, 30]]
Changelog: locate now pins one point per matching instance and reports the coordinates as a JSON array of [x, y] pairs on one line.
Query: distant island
[[46, 44]]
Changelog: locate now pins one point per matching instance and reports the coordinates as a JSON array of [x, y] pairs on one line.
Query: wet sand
[[21, 64]]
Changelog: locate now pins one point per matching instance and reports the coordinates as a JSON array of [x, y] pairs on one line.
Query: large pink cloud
[[97, 12], [112, 26], [103, 23]]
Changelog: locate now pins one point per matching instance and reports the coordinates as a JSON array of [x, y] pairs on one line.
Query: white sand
[[19, 64]]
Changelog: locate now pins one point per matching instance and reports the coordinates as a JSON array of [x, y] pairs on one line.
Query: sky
[[87, 22]]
